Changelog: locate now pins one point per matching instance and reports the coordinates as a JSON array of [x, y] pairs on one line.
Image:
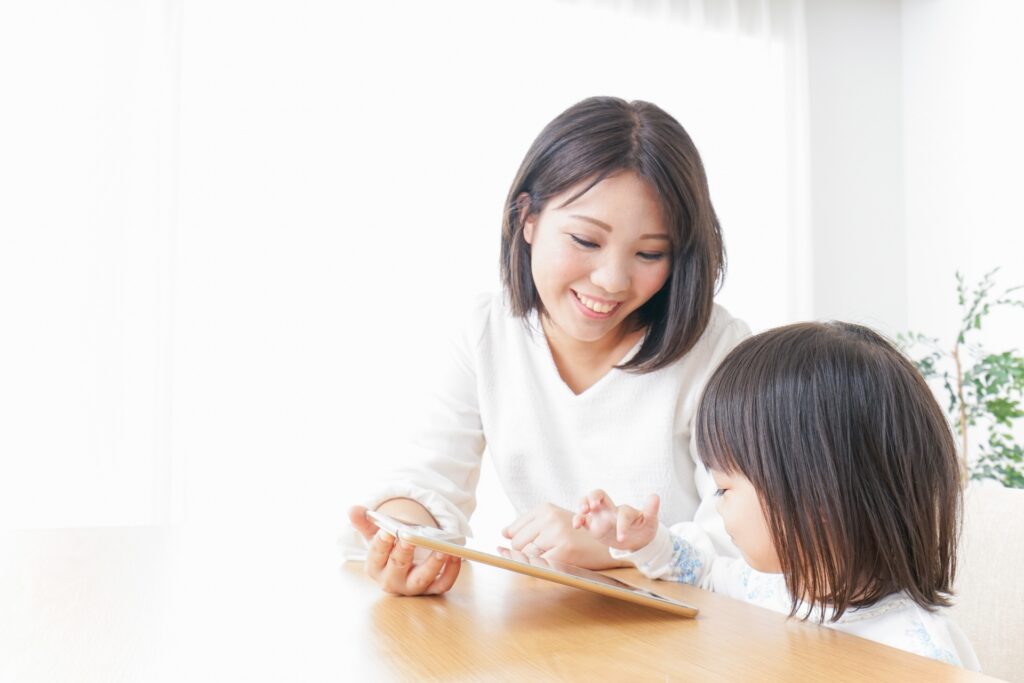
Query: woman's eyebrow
[[601, 224], [604, 226]]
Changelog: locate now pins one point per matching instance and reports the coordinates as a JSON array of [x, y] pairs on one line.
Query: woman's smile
[[592, 307]]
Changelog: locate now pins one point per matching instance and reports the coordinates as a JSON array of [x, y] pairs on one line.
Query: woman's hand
[[547, 531], [622, 527], [390, 563]]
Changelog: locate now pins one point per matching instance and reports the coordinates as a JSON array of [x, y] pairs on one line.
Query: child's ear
[[530, 220]]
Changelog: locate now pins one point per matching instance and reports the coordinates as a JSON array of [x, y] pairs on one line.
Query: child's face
[[743, 515], [601, 257]]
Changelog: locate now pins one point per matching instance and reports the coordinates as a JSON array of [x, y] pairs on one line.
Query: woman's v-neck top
[[498, 390]]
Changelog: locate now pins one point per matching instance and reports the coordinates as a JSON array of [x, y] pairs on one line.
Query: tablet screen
[[512, 560]]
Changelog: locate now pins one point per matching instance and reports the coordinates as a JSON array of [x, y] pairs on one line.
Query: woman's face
[[740, 508], [598, 259]]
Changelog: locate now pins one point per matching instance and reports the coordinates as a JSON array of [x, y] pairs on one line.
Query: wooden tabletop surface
[[495, 625], [167, 604]]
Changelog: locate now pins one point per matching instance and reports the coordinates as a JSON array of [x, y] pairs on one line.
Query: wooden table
[[160, 604], [496, 625]]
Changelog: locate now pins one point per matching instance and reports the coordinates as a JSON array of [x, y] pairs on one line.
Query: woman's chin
[[586, 334], [583, 330]]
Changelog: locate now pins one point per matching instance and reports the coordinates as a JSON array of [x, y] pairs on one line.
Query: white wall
[[854, 51], [915, 147], [916, 144], [963, 65]]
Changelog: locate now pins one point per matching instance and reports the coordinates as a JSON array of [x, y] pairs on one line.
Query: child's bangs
[[723, 423]]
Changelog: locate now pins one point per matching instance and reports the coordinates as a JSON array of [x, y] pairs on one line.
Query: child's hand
[[622, 527]]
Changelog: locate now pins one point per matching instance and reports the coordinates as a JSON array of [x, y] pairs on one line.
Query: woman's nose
[[611, 276]]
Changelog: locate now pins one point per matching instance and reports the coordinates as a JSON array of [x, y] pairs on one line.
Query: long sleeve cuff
[[654, 559], [448, 516]]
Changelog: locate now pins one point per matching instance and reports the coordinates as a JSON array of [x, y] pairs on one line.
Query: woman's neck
[[582, 364]]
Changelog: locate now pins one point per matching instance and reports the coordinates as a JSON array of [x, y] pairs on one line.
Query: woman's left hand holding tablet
[[389, 562], [547, 531]]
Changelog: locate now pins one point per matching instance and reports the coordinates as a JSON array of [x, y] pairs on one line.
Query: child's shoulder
[[899, 622]]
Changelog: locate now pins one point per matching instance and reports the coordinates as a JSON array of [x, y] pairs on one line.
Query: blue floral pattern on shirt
[[684, 565], [924, 645]]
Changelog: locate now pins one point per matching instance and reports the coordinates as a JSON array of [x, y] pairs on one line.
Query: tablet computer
[[549, 570]]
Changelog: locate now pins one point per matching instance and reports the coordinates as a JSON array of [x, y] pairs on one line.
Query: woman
[[589, 368]]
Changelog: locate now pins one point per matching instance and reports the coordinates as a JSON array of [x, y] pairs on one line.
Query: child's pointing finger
[[625, 519], [597, 499]]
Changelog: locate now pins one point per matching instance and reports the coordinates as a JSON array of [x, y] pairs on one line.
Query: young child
[[837, 480]]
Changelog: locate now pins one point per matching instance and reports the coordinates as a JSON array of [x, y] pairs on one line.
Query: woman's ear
[[529, 221]]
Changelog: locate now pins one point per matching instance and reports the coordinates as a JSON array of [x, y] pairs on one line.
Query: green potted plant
[[985, 390]]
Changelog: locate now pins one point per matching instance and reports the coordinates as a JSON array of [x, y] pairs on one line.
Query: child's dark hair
[[595, 139], [854, 462]]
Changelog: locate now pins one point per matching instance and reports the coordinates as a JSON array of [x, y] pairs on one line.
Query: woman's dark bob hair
[[595, 139], [854, 462]]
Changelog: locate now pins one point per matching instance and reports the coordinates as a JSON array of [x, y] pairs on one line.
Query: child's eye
[[651, 255], [719, 492], [586, 244]]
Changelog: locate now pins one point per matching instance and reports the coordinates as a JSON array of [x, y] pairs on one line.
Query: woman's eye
[[586, 244], [651, 255], [720, 492]]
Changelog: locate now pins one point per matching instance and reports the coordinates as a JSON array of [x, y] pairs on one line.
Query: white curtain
[[254, 320], [343, 172], [88, 150]]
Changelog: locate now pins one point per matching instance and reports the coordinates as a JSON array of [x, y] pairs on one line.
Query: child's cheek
[[723, 511]]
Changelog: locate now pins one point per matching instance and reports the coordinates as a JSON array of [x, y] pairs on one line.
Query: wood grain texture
[[495, 625], [254, 604]]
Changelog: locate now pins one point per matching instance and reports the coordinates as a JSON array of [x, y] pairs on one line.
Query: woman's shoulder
[[485, 316], [722, 325], [480, 307], [722, 333]]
